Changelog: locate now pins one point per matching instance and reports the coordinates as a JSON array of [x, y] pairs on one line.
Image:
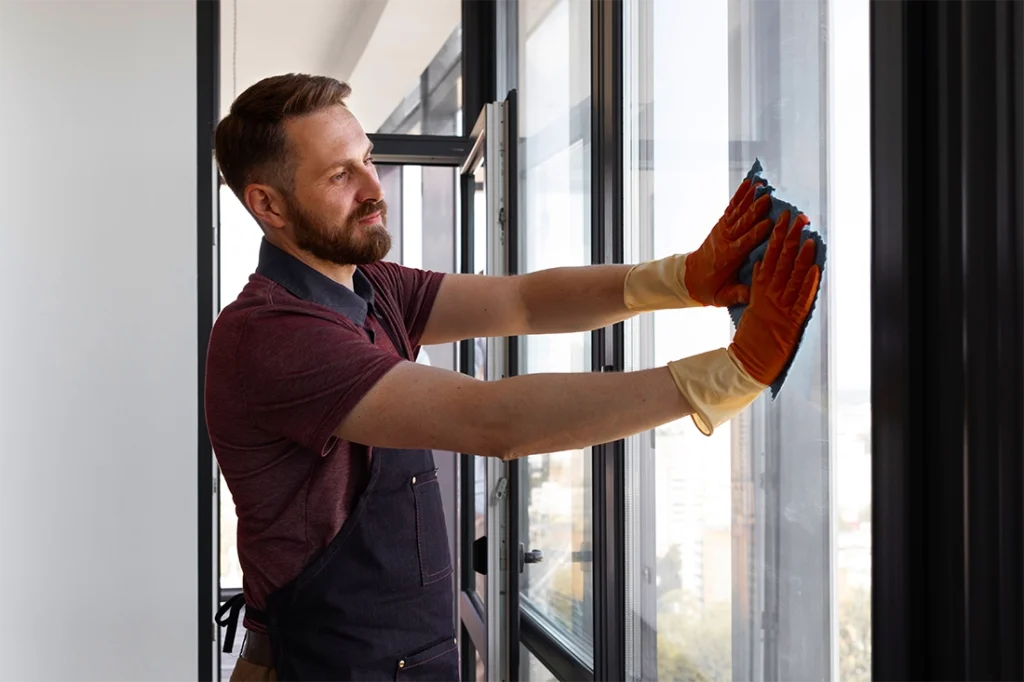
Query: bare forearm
[[413, 406], [555, 412], [574, 299]]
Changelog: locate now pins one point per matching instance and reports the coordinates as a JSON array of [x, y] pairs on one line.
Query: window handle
[[534, 556]]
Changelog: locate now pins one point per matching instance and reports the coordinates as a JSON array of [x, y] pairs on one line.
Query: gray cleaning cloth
[[746, 271]]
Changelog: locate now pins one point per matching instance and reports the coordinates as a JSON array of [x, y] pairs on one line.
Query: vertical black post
[[947, 345], [515, 468], [897, 597], [478, 58], [1010, 256], [609, 516], [993, 231], [940, 335], [207, 114], [980, 202], [478, 89], [911, 462]]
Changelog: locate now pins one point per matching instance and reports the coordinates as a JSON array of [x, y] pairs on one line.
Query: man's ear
[[266, 204]]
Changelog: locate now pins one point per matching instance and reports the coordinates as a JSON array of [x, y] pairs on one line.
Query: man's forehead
[[327, 134]]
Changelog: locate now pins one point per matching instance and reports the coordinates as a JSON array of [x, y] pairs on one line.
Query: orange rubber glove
[[706, 276], [785, 283], [710, 275], [721, 383]]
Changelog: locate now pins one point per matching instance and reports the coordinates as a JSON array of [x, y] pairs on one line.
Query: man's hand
[[784, 285], [706, 276], [720, 384], [710, 273], [413, 406]]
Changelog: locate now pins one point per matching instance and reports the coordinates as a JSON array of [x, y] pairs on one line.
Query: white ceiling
[[379, 46]]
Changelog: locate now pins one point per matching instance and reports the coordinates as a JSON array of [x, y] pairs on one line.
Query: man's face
[[337, 208]]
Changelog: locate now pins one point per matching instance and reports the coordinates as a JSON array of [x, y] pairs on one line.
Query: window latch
[[501, 488]]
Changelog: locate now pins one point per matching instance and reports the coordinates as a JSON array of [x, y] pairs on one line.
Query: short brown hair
[[250, 141]]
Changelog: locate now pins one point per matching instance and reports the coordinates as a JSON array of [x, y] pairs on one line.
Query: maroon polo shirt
[[287, 361]]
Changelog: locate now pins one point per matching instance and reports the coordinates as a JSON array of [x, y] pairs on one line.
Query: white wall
[[98, 463]]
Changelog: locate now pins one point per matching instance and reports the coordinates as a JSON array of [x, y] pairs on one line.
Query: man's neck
[[342, 274]]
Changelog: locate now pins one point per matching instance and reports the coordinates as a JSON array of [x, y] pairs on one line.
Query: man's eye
[[339, 176], [369, 160]]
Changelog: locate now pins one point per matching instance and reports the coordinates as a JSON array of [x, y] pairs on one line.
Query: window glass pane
[[240, 238], [531, 669], [480, 360], [851, 232], [478, 210], [480, 514], [554, 87], [432, 102], [230, 568], [481, 667], [403, 58], [751, 548]]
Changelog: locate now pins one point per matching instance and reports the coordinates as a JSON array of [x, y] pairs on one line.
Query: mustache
[[371, 207]]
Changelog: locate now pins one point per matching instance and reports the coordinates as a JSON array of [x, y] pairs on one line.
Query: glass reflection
[[554, 87], [479, 199], [753, 545]]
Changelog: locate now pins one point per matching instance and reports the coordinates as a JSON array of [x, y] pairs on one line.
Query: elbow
[[504, 454], [499, 436], [501, 442]]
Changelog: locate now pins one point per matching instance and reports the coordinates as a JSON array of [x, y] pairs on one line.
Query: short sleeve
[[416, 291], [302, 374]]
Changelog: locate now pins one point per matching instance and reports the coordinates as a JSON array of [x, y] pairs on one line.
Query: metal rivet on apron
[[401, 664], [414, 480]]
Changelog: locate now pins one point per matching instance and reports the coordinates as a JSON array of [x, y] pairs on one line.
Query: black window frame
[[208, 265], [947, 339], [605, 128]]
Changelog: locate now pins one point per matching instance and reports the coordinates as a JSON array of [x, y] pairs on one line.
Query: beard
[[351, 243]]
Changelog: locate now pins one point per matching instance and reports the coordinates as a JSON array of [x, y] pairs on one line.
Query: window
[[750, 550], [851, 313], [433, 103], [240, 239], [531, 669], [479, 266], [408, 75], [481, 670], [554, 93]]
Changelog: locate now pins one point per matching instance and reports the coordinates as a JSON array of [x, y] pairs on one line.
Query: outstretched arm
[[425, 407], [584, 298], [422, 407], [546, 302]]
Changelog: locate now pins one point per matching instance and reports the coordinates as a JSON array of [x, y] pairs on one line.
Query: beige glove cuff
[[716, 386], [658, 285]]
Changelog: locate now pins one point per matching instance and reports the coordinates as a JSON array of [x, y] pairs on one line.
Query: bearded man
[[323, 423]]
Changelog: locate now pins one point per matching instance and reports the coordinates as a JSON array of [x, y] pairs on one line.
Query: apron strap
[[256, 616], [227, 616]]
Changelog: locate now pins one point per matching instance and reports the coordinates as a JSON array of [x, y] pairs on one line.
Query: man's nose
[[370, 188]]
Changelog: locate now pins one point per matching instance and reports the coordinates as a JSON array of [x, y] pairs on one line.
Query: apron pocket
[[431, 529], [439, 662]]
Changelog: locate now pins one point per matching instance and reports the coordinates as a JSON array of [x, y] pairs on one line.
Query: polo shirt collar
[[315, 287]]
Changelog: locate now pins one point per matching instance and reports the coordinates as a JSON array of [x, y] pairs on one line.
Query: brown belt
[[256, 649]]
